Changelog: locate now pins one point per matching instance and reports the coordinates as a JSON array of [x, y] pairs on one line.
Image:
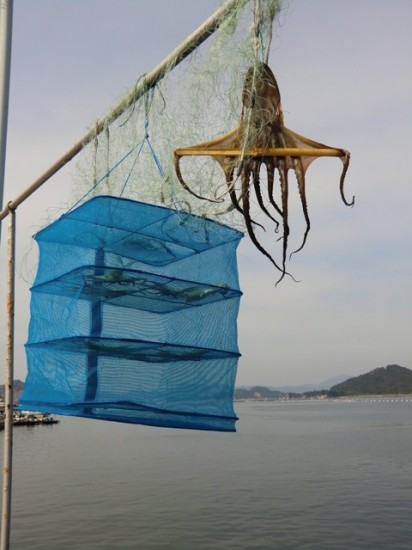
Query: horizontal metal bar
[[261, 152]]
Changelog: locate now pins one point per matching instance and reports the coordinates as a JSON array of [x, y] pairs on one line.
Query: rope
[[148, 100], [97, 183]]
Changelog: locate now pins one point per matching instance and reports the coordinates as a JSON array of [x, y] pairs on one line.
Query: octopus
[[262, 140]]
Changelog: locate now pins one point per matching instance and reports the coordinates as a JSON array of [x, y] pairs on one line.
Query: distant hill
[[391, 379], [257, 392], [325, 385], [18, 386]]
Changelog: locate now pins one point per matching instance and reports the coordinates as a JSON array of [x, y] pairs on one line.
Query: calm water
[[315, 475]]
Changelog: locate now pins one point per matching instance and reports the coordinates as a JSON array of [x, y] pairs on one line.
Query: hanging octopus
[[262, 139]]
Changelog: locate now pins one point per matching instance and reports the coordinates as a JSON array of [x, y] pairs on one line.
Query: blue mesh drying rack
[[134, 317]]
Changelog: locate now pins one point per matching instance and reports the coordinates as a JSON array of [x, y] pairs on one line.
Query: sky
[[345, 73]]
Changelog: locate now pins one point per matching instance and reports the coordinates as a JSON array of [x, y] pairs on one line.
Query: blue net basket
[[134, 317]]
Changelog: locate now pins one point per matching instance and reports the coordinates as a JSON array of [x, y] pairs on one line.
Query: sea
[[321, 474]]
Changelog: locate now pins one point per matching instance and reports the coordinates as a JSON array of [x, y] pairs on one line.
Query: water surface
[[304, 475]]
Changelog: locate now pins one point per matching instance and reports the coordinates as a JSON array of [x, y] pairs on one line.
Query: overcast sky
[[345, 73]]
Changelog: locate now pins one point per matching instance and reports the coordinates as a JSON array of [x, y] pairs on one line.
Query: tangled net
[[200, 101]]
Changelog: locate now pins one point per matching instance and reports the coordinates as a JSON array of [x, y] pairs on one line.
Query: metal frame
[[149, 81]]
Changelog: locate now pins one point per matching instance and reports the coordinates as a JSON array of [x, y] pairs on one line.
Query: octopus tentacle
[[284, 186], [233, 197], [229, 183], [256, 184], [184, 184], [270, 170], [300, 177], [236, 202], [249, 225], [345, 159]]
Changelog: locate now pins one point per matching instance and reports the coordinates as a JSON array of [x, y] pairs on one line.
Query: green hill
[[391, 379]]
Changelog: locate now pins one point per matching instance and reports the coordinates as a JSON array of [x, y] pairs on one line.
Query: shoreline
[[326, 397], [30, 419]]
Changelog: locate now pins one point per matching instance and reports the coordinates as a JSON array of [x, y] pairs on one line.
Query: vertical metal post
[[8, 397], [96, 326], [6, 21]]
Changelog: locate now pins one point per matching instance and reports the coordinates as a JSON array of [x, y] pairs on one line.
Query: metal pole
[[143, 85], [6, 21], [8, 388]]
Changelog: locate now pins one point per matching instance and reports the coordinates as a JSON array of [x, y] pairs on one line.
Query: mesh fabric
[[133, 317]]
